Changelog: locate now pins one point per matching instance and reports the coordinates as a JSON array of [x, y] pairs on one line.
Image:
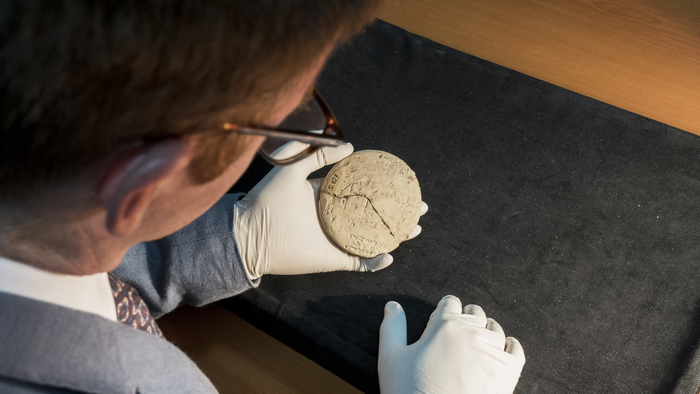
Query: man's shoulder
[[49, 345]]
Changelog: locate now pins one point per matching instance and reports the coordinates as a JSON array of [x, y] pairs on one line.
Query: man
[[123, 125]]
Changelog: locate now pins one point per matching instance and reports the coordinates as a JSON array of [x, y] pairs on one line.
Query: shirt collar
[[89, 293]]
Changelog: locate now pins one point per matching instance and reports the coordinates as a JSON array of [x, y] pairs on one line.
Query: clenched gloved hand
[[277, 225], [460, 351]]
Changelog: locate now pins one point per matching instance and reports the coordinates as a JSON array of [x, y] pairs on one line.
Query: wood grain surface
[[239, 358], [639, 55]]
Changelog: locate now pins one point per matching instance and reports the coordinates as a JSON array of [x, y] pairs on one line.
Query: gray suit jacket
[[48, 348]]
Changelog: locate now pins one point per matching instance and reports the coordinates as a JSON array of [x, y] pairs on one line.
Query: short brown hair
[[80, 77]]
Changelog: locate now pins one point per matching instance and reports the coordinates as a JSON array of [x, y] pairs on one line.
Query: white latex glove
[[460, 351], [277, 225]]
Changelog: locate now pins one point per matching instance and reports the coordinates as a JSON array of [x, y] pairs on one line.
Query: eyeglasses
[[312, 124]]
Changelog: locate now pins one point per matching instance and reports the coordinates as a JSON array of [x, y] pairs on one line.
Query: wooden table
[[640, 55], [239, 358]]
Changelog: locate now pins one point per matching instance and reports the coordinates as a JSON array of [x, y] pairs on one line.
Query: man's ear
[[128, 187]]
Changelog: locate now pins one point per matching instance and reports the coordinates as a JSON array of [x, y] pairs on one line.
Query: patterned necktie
[[131, 310]]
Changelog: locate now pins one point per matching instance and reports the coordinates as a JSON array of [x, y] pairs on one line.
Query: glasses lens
[[308, 118]]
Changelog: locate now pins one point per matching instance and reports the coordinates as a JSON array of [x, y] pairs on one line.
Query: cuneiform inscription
[[363, 246]]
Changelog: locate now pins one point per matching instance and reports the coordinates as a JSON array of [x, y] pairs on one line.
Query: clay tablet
[[369, 203]]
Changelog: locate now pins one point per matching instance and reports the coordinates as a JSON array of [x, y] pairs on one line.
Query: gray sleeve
[[8, 385], [196, 265]]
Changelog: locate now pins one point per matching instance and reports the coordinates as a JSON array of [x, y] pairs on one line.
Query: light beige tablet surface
[[369, 203]]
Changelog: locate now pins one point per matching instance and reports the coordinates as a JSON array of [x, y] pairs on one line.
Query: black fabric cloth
[[573, 223]]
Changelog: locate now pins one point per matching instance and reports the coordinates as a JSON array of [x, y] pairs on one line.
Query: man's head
[[115, 108], [80, 78]]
